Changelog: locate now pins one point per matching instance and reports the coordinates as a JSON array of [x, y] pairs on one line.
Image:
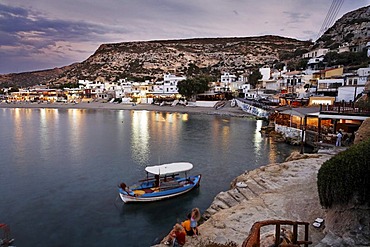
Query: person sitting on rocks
[[176, 237], [194, 218], [186, 224]]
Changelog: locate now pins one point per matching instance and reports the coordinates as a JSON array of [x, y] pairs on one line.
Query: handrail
[[253, 239]]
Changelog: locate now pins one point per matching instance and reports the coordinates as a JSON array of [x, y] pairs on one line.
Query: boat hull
[[160, 195]]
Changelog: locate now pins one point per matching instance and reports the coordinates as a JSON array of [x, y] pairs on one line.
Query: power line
[[330, 16], [326, 18], [335, 13]]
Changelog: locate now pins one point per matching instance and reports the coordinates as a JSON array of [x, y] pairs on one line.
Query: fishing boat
[[162, 182], [5, 238]]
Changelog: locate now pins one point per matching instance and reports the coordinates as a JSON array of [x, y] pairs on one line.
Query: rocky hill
[[192, 56], [352, 28], [151, 59], [32, 78]]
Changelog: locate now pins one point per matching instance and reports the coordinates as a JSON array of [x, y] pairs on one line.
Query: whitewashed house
[[343, 48], [142, 91], [354, 85], [266, 73], [114, 90], [316, 53], [227, 80], [73, 94], [235, 86], [329, 87], [170, 83], [93, 90], [293, 81], [126, 87], [245, 89]]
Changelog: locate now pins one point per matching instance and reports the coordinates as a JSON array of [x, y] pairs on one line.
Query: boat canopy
[[169, 168]]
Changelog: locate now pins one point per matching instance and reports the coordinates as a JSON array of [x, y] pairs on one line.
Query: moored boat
[[162, 182], [5, 238]]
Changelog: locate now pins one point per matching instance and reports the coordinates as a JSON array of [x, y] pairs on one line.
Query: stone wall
[[289, 133]]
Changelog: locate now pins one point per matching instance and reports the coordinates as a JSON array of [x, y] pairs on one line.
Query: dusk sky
[[42, 34]]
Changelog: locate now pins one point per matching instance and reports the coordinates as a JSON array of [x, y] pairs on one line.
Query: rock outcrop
[[363, 132]]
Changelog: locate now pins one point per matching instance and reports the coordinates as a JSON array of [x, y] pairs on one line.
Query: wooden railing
[[254, 238], [344, 108]]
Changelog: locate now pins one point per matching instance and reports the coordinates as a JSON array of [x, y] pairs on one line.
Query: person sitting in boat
[[126, 189], [177, 236], [156, 181]]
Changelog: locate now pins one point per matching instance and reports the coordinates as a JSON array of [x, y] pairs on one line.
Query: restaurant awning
[[302, 111]]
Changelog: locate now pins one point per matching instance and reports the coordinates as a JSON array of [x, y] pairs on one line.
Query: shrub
[[345, 178]]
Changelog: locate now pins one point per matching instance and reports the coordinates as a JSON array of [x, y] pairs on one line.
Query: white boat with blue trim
[[162, 182]]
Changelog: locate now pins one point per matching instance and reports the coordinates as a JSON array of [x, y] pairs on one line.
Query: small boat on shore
[[162, 182]]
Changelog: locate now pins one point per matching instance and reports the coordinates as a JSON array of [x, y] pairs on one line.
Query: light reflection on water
[[140, 137], [60, 169]]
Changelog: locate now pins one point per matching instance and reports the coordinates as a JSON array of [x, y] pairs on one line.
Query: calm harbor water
[[59, 170]]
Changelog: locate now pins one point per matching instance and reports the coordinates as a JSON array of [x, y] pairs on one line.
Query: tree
[[192, 86], [254, 77], [279, 65], [346, 58]]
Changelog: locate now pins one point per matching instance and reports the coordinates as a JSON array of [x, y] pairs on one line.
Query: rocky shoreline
[[285, 191]]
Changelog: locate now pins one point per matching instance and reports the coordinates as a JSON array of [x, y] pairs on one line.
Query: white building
[[245, 89], [329, 87], [272, 85], [266, 73], [363, 72], [316, 53], [354, 85], [343, 48], [313, 64], [227, 82], [293, 81], [170, 83]]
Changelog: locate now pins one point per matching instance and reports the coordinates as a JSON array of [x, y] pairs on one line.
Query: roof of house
[[301, 111]]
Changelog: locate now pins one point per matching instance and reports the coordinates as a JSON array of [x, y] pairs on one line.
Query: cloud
[[27, 35], [296, 17]]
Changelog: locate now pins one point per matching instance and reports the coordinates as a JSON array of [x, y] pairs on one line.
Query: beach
[[227, 110]]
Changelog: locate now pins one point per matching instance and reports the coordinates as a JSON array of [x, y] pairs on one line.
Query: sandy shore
[[226, 110]]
